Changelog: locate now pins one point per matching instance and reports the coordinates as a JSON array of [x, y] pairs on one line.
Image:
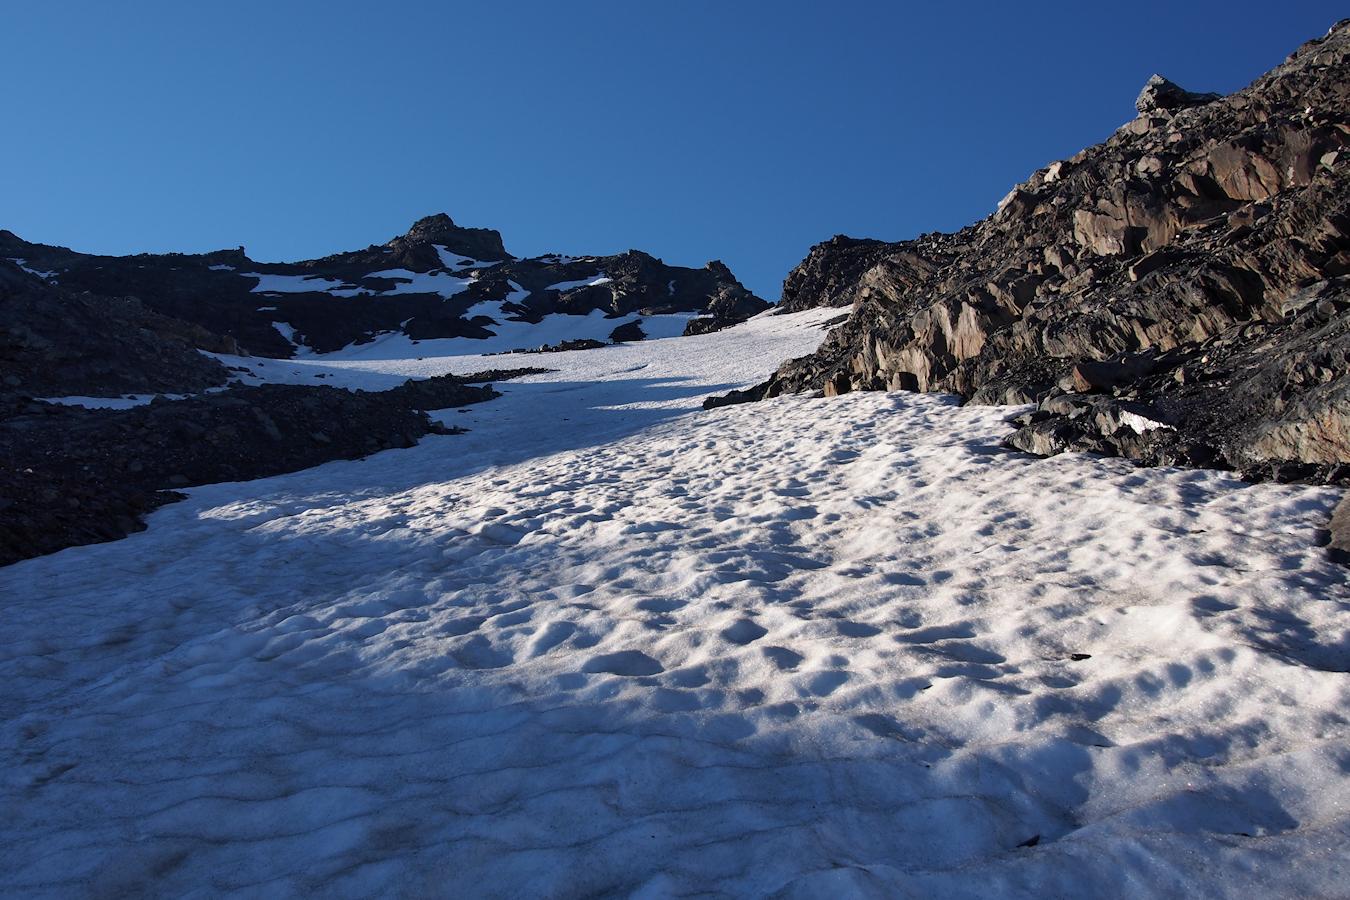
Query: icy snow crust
[[607, 643]]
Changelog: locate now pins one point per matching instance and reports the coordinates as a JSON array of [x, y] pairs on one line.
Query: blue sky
[[742, 131]]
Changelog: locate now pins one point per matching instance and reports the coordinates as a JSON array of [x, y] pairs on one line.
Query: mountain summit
[[437, 281]]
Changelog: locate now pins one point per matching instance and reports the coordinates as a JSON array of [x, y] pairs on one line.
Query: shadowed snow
[[607, 642]]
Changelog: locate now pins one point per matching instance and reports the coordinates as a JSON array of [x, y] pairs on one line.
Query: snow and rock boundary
[[604, 643], [75, 476]]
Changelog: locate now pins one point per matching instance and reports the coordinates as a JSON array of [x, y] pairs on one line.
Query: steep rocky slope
[[439, 280], [1176, 294], [57, 343]]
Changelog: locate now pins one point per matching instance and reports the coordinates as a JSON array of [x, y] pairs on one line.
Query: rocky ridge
[[77, 325], [431, 282], [1178, 294]]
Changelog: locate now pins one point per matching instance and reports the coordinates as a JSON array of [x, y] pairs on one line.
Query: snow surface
[[1140, 424], [509, 335], [128, 401], [286, 330], [608, 643], [410, 282], [460, 261], [395, 346], [292, 284], [407, 282], [563, 258], [593, 281]]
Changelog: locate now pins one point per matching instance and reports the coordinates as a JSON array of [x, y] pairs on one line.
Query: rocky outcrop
[[440, 230], [729, 303], [1161, 95], [55, 343], [830, 273], [627, 333], [1177, 294], [423, 284]]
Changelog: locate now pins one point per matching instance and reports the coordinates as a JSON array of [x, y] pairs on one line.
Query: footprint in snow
[[886, 727], [552, 635], [782, 657], [824, 684], [625, 662], [969, 653], [509, 619], [743, 632], [660, 604], [478, 653], [463, 625], [500, 534], [692, 677], [934, 633]]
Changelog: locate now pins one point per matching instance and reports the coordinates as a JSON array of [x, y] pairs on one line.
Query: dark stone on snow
[[627, 332]]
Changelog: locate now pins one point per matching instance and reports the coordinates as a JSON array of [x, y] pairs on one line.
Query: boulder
[[1161, 95], [627, 332]]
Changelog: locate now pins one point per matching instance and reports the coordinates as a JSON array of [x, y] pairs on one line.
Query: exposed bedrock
[[1178, 294]]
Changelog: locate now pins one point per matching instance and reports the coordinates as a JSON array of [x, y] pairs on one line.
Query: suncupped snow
[[609, 643]]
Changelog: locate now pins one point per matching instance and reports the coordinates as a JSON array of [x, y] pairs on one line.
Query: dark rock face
[[475, 243], [78, 476], [830, 273], [422, 284], [57, 343], [1178, 294]]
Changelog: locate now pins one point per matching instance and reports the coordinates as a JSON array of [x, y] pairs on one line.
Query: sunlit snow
[[291, 284], [593, 281], [607, 643]]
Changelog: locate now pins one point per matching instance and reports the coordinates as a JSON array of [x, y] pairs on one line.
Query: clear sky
[[745, 131]]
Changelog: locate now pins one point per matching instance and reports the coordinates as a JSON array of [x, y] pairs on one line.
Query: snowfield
[[607, 643]]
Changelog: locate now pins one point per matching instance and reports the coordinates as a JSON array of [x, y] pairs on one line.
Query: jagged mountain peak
[[439, 280], [439, 229]]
